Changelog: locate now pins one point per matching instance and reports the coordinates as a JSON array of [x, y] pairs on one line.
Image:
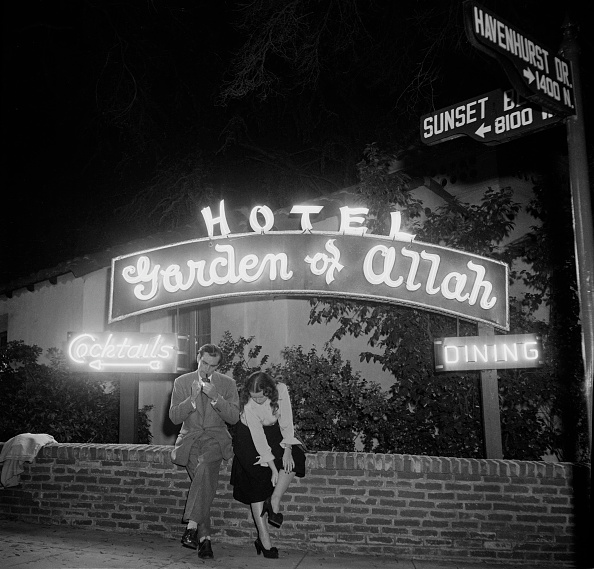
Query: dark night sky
[[97, 95]]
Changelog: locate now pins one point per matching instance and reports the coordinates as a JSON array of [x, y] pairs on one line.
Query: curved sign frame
[[367, 267]]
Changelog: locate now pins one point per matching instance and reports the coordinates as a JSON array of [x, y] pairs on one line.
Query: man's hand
[[210, 390]]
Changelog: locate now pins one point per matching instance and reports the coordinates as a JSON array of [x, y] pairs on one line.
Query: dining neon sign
[[488, 352], [132, 352], [348, 263]]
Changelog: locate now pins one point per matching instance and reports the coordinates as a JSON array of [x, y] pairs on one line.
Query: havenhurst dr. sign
[[534, 70], [349, 263]]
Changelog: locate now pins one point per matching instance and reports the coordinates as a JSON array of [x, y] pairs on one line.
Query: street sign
[[535, 72], [492, 118]]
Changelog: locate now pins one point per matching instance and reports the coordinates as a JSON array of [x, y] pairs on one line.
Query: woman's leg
[[261, 524], [284, 479]]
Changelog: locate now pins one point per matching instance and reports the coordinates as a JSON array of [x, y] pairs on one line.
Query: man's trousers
[[203, 468]]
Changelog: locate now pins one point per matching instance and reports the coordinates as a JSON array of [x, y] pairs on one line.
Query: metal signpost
[[492, 118]]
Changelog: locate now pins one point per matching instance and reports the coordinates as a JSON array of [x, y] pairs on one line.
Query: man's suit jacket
[[206, 419]]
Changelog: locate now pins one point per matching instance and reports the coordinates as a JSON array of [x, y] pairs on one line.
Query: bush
[[72, 407], [235, 360], [334, 408]]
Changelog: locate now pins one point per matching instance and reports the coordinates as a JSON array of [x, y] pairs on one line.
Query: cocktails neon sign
[[123, 352], [348, 263]]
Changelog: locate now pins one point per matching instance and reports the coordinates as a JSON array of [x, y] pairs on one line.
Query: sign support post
[[129, 408], [490, 405], [583, 235], [582, 217]]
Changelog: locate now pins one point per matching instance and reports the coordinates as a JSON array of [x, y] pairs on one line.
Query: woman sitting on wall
[[267, 455]]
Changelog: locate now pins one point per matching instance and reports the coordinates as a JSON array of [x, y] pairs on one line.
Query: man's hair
[[211, 350]]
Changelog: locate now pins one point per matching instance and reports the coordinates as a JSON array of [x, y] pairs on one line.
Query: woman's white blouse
[[256, 416]]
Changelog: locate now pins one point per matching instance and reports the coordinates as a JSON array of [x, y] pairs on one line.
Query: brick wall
[[407, 506]]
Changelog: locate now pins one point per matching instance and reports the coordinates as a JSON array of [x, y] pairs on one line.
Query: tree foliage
[[548, 250], [239, 362], [333, 406], [439, 414], [261, 99], [72, 407]]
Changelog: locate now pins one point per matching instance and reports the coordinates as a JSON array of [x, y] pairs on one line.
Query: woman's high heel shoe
[[271, 553], [274, 519]]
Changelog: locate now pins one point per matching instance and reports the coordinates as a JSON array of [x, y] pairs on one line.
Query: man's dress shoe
[[205, 550], [190, 538]]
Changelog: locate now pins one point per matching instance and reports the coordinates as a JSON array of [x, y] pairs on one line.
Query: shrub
[[72, 407], [334, 408]]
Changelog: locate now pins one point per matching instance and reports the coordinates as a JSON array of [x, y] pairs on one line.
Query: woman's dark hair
[[259, 381]]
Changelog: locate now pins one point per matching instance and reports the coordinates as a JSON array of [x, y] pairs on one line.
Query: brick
[[458, 486], [449, 506], [421, 504], [371, 521], [367, 529], [389, 504], [370, 483], [352, 491], [414, 513], [410, 494], [121, 516], [396, 530], [379, 539], [450, 515], [351, 538], [110, 506], [424, 532], [442, 496], [113, 481]]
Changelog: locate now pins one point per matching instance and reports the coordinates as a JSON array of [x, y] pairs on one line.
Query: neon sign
[[349, 263], [123, 352], [488, 352]]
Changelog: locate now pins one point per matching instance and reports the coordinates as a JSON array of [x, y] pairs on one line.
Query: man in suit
[[203, 401]]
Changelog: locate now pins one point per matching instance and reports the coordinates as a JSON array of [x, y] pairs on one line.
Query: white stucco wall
[[280, 323], [44, 316]]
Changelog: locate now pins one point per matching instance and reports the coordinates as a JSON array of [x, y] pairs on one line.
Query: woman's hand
[[288, 462], [274, 476]]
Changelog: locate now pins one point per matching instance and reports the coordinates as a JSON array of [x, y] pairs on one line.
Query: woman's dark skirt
[[251, 482]]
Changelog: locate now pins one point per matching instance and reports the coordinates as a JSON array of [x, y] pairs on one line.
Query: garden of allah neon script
[[348, 263]]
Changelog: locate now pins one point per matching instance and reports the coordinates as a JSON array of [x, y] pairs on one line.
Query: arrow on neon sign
[[99, 365]]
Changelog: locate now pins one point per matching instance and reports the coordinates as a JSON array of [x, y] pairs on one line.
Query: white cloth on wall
[[18, 450]]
